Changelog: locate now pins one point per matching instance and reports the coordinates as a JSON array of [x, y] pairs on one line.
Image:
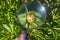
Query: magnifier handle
[[24, 35]]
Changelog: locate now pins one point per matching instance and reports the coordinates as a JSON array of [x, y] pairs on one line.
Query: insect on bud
[[30, 18]]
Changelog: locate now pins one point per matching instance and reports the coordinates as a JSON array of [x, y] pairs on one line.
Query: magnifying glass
[[31, 15]]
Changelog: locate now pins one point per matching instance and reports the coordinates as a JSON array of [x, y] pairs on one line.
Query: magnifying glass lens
[[32, 15]]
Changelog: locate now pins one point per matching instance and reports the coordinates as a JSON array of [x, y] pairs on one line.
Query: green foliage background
[[10, 28]]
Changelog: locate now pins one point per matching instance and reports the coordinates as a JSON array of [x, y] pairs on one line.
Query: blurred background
[[10, 27]]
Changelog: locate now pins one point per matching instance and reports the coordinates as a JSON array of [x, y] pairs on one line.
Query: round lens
[[32, 15]]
